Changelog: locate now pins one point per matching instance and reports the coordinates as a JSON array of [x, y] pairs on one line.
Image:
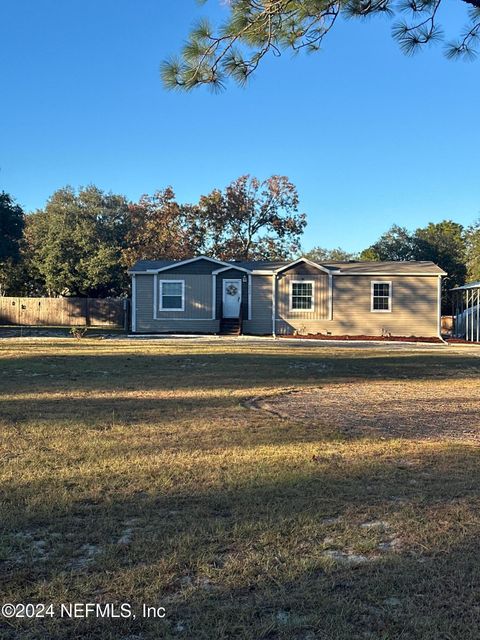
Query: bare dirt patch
[[399, 409]]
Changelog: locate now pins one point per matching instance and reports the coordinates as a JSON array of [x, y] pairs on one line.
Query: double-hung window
[[381, 293], [301, 295], [172, 295]]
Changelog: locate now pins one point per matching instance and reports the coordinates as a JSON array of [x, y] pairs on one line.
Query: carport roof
[[470, 285]]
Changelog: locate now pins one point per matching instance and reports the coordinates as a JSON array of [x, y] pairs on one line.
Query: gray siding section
[[197, 267], [198, 296], [177, 326], [261, 322], [197, 316]]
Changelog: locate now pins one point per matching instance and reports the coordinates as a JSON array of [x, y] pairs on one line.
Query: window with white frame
[[381, 296], [172, 295], [301, 295]]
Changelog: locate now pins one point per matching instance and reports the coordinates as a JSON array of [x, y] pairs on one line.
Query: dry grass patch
[[135, 472], [423, 409]]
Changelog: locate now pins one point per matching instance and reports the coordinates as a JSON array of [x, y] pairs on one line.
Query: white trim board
[[134, 304], [155, 296], [214, 296], [439, 307], [274, 303], [330, 296], [185, 319], [249, 284]]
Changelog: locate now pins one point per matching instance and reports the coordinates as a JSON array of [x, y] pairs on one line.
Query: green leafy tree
[[472, 239], [443, 243], [256, 28], [252, 220], [12, 221], [395, 244], [75, 243], [319, 254]]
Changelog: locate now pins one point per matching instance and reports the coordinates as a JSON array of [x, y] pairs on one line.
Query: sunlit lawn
[[136, 472]]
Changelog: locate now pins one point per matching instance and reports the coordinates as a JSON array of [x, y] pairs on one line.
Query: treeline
[[452, 246], [83, 241]]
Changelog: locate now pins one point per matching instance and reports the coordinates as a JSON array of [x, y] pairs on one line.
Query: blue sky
[[369, 136]]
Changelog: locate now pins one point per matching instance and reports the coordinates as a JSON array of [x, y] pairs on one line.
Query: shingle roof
[[401, 267], [351, 267], [260, 264], [144, 265]]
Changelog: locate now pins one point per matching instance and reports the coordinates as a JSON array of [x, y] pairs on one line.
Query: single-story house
[[206, 295]]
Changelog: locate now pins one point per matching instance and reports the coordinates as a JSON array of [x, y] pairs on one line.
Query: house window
[[172, 295], [301, 296], [381, 296]]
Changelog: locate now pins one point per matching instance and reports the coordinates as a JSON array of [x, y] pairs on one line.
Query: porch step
[[230, 326]]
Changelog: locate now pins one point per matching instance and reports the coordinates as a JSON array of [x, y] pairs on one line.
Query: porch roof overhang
[[231, 266]]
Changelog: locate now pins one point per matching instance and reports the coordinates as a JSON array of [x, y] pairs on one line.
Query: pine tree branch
[[258, 27]]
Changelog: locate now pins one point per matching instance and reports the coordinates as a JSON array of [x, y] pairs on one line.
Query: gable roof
[[150, 265], [353, 267], [163, 265]]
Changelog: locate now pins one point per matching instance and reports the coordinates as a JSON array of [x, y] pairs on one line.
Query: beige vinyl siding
[[261, 299], [414, 309], [197, 316], [320, 296]]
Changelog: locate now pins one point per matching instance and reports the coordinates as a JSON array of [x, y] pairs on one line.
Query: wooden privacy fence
[[65, 312]]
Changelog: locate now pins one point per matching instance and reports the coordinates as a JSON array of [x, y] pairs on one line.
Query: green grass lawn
[[136, 472]]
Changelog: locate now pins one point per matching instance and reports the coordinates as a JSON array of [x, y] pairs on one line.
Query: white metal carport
[[466, 312]]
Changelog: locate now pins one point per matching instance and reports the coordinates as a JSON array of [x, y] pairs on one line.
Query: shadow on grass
[[246, 560], [230, 370], [213, 421]]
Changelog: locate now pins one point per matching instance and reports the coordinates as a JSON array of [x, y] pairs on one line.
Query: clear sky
[[369, 136]]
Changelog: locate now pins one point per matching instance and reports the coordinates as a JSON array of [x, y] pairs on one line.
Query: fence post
[[126, 314], [87, 312]]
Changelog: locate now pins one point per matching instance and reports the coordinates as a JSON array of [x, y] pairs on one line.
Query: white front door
[[232, 298]]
